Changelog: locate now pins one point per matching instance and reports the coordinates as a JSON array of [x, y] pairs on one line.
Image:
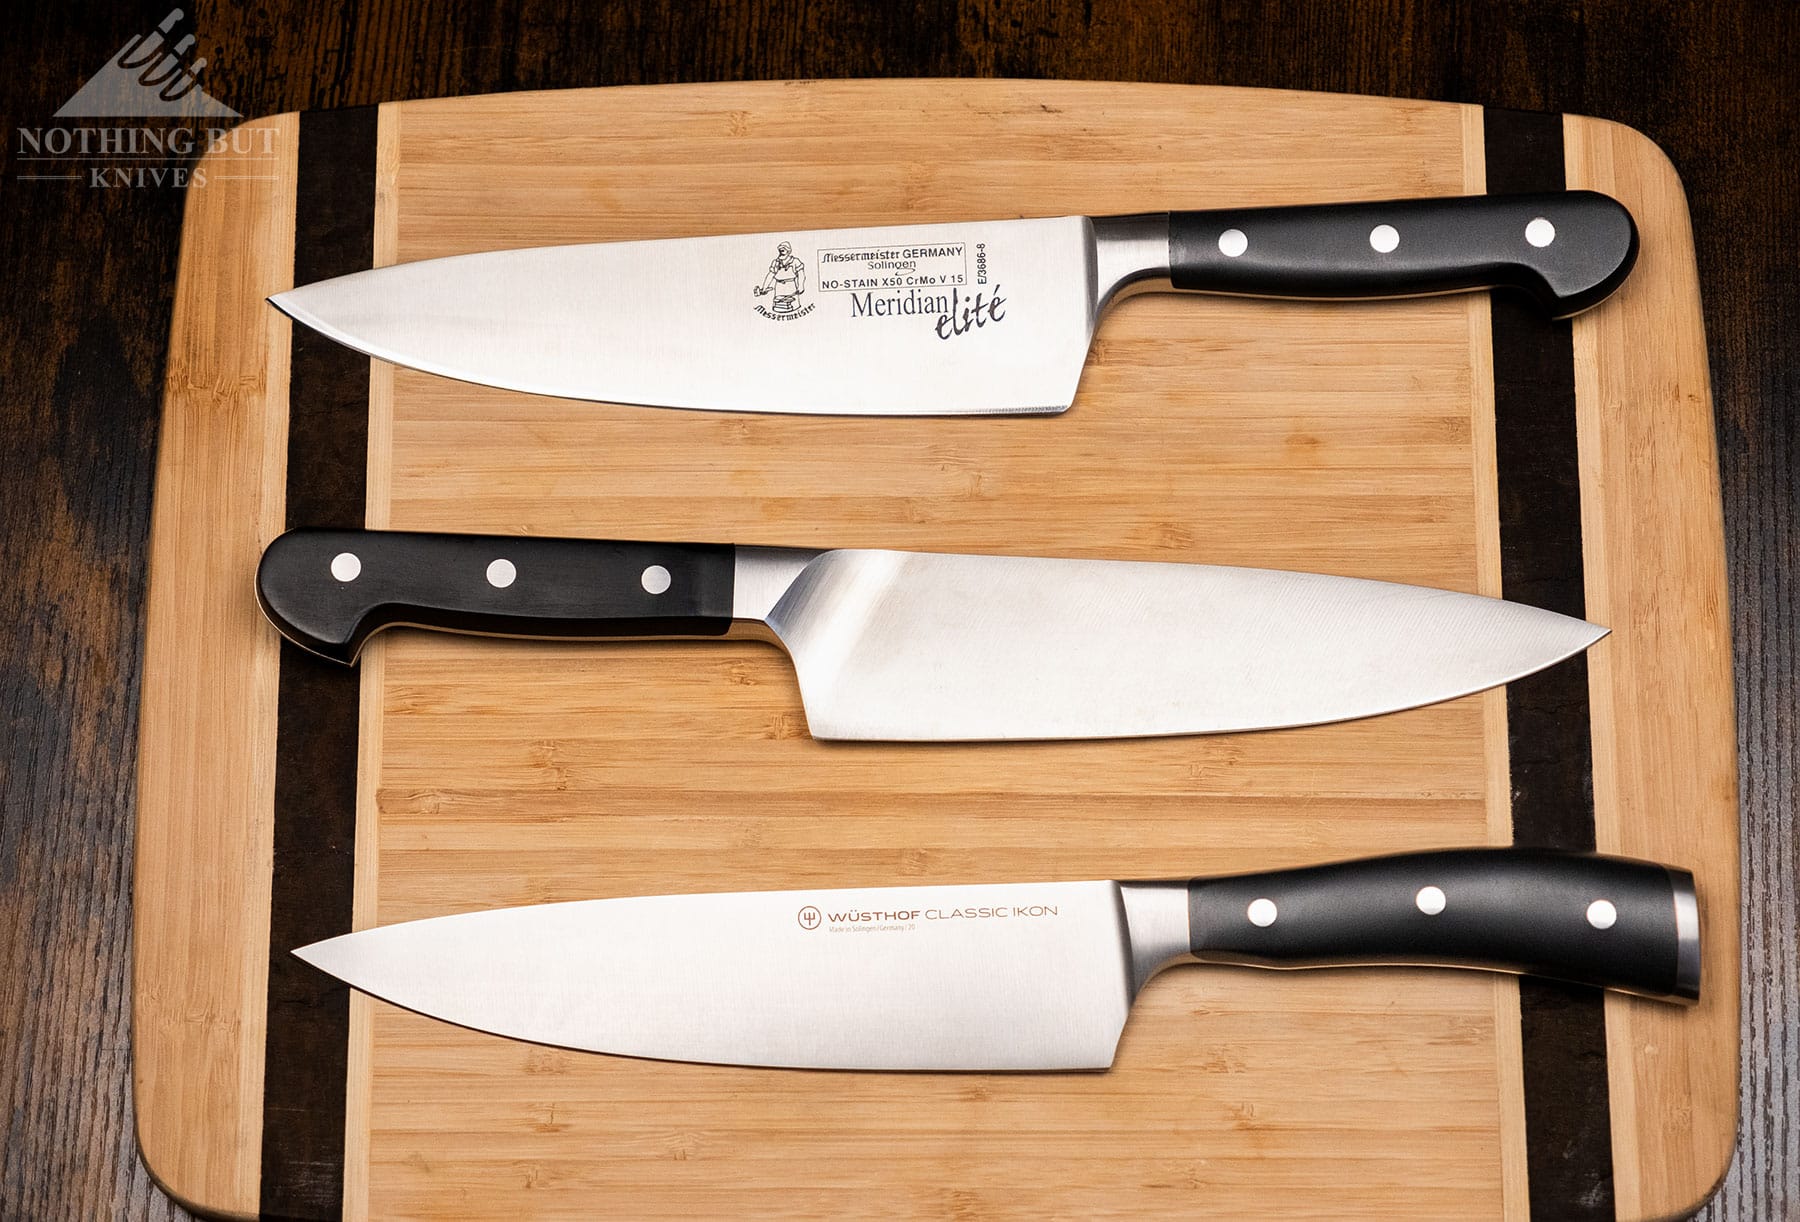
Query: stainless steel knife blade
[[921, 646], [903, 645], [1010, 976], [947, 318], [680, 323]]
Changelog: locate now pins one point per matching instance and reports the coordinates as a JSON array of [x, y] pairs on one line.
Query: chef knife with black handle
[[1004, 976], [924, 646], [951, 318]]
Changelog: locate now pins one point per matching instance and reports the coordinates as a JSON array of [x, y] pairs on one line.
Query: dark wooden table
[[88, 282]]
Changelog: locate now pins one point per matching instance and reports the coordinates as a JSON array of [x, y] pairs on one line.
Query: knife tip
[[318, 954], [291, 302]]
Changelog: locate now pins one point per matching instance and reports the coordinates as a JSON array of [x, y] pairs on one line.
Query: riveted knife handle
[[329, 590], [1569, 250], [1607, 921]]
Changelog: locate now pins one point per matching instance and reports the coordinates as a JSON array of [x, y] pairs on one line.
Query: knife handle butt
[[330, 590], [1606, 921], [1568, 250]]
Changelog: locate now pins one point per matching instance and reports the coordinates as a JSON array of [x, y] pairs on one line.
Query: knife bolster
[[1131, 255]]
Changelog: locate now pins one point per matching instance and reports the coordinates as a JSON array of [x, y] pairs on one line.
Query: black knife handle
[[329, 590], [1569, 250], [1607, 921]]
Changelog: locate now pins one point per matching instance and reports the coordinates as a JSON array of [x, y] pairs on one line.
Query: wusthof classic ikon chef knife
[[927, 646], [942, 319], [1013, 976]]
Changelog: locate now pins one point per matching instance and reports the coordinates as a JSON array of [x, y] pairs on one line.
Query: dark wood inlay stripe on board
[[307, 1045], [1568, 1126]]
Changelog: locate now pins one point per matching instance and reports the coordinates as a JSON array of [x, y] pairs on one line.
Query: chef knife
[[1012, 976], [913, 646], [948, 318]]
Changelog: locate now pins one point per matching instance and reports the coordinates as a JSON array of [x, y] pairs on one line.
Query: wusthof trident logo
[[809, 917]]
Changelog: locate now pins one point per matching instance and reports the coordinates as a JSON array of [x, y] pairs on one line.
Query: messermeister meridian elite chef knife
[[922, 646], [957, 318], [1014, 976]]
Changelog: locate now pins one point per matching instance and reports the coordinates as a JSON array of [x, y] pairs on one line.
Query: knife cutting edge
[[1015, 976], [954, 318], [923, 646]]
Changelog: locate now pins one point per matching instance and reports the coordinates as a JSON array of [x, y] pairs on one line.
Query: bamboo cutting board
[[1454, 441]]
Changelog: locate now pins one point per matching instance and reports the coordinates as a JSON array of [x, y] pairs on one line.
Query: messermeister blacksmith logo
[[784, 284]]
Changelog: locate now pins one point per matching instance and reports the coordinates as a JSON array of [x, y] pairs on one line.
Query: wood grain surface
[[90, 276], [201, 690], [1217, 430]]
